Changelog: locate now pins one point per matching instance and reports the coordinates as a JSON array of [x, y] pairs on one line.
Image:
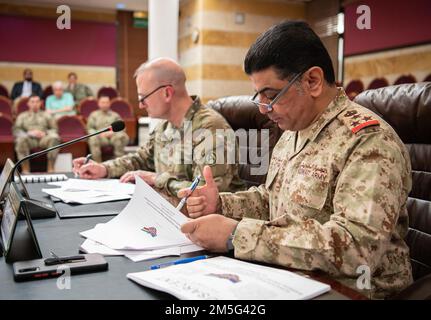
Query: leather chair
[[107, 91], [86, 107], [354, 88], [5, 107], [405, 79], [69, 128], [6, 140], [3, 91], [407, 108], [47, 92], [378, 83], [125, 110], [241, 113]]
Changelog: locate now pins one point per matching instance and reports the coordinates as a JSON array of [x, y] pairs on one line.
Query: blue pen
[[192, 188], [180, 261]]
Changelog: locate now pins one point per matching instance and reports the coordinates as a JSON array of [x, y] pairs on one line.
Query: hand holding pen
[[205, 200], [192, 188], [87, 160]]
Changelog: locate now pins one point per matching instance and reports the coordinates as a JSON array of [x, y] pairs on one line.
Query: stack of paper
[[90, 191], [229, 279], [147, 228]]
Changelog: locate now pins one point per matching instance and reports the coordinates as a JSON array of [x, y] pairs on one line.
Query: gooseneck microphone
[[41, 211]]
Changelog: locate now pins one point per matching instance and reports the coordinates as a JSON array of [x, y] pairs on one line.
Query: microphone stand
[[39, 209]]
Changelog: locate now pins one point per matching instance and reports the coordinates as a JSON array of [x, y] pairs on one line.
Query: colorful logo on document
[[151, 230], [228, 276]]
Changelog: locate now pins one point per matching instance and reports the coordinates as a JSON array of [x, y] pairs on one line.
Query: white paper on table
[[148, 255], [111, 186], [229, 279], [90, 246], [146, 209], [84, 197]]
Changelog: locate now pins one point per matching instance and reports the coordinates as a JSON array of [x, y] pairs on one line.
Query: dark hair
[[103, 95], [72, 74], [33, 95], [290, 47]]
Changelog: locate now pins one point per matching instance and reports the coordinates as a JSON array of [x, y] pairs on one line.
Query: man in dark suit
[[27, 87]]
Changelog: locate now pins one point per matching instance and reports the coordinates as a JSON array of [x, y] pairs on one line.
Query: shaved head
[[163, 71]]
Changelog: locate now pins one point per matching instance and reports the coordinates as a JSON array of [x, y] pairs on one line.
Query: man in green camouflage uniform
[[337, 185], [35, 128], [100, 119], [79, 91], [180, 145]]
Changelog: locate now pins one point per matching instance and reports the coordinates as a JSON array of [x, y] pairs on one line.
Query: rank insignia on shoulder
[[364, 125], [357, 121]]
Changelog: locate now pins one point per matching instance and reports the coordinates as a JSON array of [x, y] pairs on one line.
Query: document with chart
[[223, 278], [148, 222]]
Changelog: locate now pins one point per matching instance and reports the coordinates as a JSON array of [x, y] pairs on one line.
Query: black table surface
[[62, 237]]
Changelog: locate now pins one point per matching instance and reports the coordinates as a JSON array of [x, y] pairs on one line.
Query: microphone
[[114, 127]]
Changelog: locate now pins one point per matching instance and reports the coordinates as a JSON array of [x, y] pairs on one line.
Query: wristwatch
[[229, 242]]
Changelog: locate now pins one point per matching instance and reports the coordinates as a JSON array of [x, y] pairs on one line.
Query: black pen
[[87, 159]]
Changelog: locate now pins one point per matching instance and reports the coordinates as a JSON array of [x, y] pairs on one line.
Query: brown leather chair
[[241, 113], [407, 108]]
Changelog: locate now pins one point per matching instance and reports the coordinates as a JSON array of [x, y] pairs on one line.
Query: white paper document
[[223, 278], [90, 191], [102, 185], [148, 222]]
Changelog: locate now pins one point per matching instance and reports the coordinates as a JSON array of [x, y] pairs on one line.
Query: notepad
[[37, 178]]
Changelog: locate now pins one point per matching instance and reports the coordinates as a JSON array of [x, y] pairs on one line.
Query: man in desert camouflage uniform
[[35, 128], [336, 190], [100, 119], [178, 148]]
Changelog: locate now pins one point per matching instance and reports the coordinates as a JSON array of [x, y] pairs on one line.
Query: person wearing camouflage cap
[[335, 195], [176, 151]]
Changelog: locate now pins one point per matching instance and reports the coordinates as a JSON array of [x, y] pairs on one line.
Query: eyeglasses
[[141, 99], [269, 105]]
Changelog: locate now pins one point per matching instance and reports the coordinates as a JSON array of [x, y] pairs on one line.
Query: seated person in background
[[35, 128], [335, 195], [25, 88], [100, 119], [60, 103], [79, 91], [172, 157]]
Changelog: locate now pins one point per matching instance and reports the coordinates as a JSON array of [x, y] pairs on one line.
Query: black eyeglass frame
[[141, 99], [269, 106]]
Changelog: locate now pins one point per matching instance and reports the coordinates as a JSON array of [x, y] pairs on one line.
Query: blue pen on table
[[180, 261], [192, 188]]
